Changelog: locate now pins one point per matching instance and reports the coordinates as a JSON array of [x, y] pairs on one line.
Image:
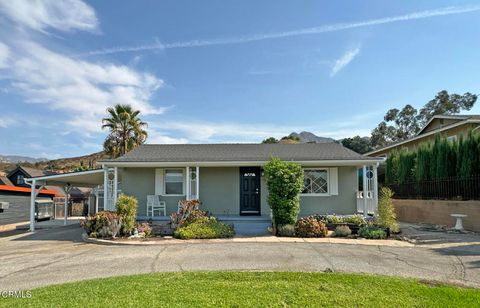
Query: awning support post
[[65, 216], [32, 206]]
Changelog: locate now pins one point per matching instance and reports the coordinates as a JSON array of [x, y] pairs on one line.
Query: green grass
[[249, 289]]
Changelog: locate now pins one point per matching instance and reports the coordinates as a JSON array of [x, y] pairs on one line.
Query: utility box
[[44, 210]]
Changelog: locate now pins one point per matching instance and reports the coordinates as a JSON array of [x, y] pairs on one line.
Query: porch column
[[187, 184], [375, 188], [32, 206], [115, 185], [365, 190], [96, 199], [105, 188], [197, 182]]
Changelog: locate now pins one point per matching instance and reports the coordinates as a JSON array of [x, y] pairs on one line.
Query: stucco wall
[[220, 192], [343, 203], [438, 212]]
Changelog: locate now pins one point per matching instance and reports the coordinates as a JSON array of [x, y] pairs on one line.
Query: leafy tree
[[399, 125], [358, 144], [422, 166], [285, 182], [404, 125], [290, 139], [126, 130], [445, 103], [270, 140]]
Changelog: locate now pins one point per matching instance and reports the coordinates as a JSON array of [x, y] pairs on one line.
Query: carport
[[90, 178]]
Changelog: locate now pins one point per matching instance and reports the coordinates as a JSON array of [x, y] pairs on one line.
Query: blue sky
[[224, 71]]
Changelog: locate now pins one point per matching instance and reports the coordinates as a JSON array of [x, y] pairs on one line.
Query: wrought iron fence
[[451, 188]]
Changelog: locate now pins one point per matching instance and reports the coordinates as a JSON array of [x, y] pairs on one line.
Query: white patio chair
[[155, 205]]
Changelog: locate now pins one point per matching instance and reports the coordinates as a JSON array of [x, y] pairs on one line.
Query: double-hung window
[[174, 181], [315, 182]]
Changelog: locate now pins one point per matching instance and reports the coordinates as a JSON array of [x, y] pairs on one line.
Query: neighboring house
[[18, 175], [229, 180], [449, 126], [18, 198]]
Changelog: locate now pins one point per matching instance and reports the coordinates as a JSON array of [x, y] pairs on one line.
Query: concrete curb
[[269, 239]]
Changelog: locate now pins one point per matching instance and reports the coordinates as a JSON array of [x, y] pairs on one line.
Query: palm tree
[[126, 130]]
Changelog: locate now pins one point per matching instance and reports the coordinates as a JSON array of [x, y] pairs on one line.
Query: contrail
[[452, 10]]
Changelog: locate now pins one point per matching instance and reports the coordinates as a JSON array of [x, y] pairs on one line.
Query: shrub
[[286, 230], [285, 182], [358, 220], [205, 228], [310, 227], [386, 211], [188, 212], [102, 225], [342, 231], [144, 228], [127, 209], [372, 232]]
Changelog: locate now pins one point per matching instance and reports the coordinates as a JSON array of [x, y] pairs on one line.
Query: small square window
[[315, 181]]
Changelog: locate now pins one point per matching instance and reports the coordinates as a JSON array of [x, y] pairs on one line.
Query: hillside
[[59, 165]]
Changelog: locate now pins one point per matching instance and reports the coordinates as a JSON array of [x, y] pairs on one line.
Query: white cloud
[[344, 60], [4, 55], [4, 123], [159, 138], [452, 10], [82, 89], [39, 15]]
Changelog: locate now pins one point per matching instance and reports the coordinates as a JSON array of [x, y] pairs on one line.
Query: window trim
[[327, 194], [165, 182]]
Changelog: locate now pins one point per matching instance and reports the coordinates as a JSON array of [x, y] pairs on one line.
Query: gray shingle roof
[[239, 152]]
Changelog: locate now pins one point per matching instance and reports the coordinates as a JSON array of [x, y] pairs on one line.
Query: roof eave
[[342, 162]]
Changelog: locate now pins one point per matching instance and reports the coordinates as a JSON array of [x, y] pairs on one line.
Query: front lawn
[[249, 289]]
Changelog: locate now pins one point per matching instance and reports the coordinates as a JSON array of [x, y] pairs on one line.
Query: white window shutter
[[158, 181], [333, 178]]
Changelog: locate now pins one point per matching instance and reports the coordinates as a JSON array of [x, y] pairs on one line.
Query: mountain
[[14, 159], [306, 137]]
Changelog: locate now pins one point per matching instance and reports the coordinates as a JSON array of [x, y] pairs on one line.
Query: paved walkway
[[59, 255]]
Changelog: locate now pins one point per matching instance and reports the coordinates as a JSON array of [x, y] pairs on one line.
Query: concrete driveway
[[59, 255]]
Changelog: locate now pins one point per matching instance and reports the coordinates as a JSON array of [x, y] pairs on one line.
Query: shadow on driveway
[[72, 233]]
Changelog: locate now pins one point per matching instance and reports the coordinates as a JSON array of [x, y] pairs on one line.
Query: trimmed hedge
[[204, 228], [127, 208], [285, 183]]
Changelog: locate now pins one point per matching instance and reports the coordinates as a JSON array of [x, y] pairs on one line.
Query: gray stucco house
[[229, 181]]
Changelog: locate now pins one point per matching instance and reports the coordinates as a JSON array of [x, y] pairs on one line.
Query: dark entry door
[[249, 191]]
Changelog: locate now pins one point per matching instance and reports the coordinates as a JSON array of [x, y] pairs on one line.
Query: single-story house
[[229, 180]]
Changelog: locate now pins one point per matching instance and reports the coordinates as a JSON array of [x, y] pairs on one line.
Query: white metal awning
[[90, 178]]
